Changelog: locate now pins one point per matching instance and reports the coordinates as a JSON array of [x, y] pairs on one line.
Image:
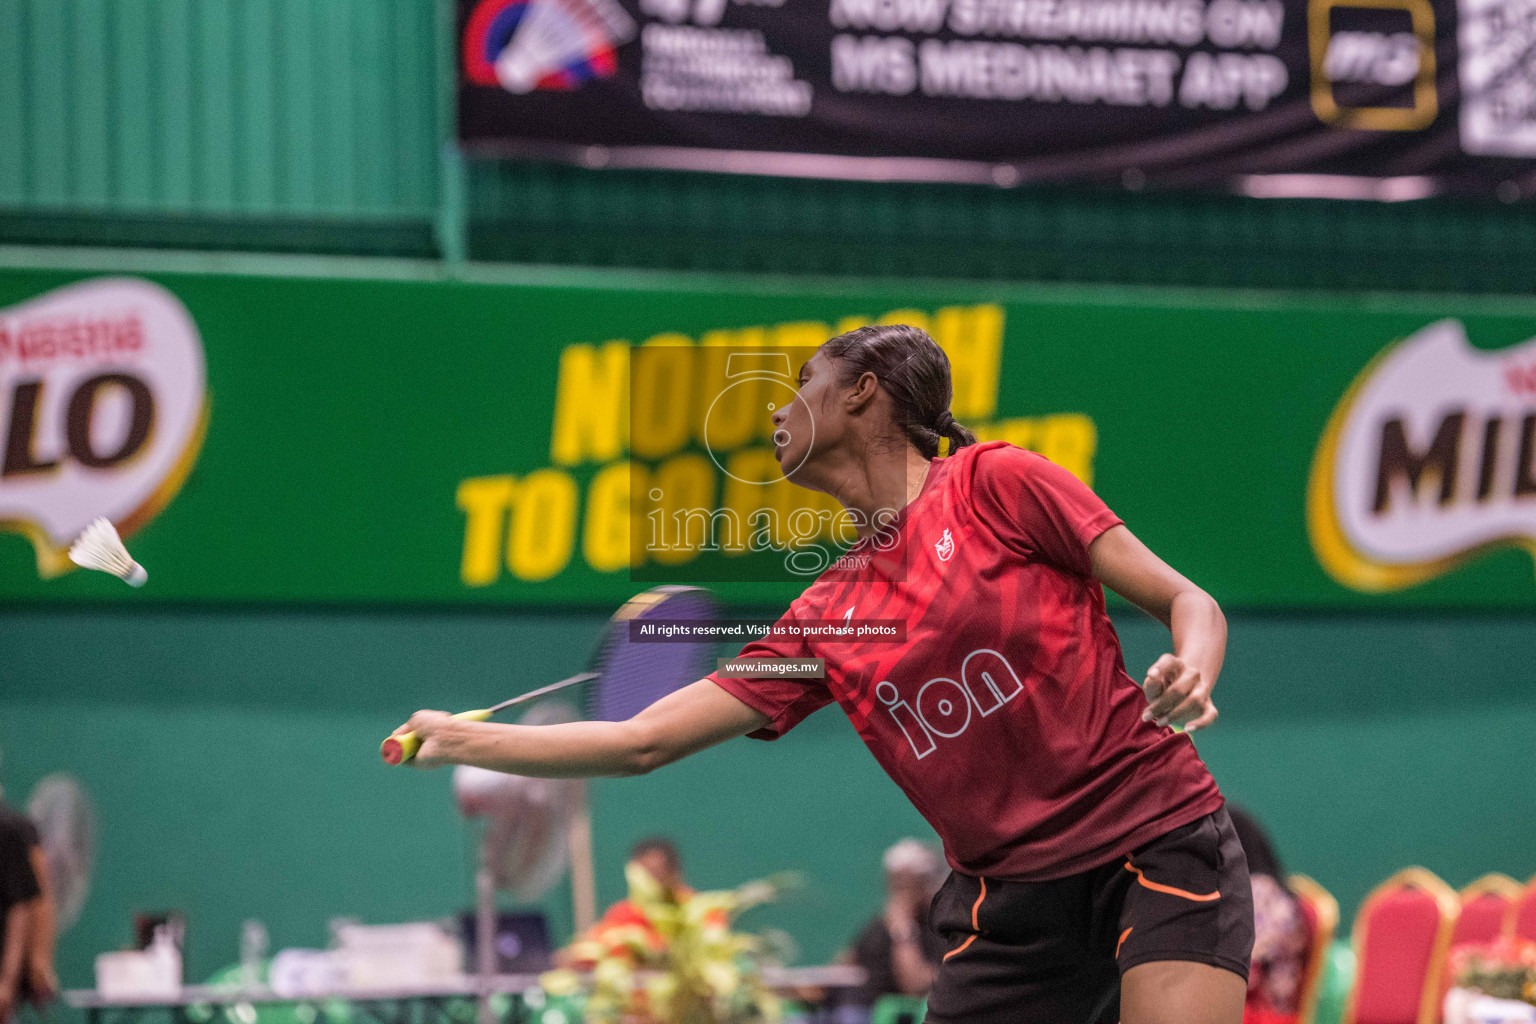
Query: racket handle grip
[[401, 748]]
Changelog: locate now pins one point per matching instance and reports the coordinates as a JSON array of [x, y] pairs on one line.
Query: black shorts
[[1053, 952]]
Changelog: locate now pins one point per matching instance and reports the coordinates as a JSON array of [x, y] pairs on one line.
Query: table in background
[[452, 1002]]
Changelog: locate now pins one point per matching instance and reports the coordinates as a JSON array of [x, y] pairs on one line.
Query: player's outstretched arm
[[1178, 685], [699, 715]]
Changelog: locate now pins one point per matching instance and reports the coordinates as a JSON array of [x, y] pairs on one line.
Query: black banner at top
[[1386, 99]]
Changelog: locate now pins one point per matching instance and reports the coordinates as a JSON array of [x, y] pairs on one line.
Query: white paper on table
[[1468, 1006]]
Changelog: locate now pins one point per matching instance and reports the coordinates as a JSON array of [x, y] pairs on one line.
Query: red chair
[[1321, 912], [1401, 937], [1521, 921], [1485, 906]]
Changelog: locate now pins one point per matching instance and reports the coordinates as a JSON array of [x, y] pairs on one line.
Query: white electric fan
[[532, 828], [66, 826]]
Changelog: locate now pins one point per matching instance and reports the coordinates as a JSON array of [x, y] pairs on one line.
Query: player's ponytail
[[951, 428], [914, 371]]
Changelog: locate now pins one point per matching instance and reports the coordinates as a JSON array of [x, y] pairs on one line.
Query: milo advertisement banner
[[104, 410], [566, 440], [1428, 462]]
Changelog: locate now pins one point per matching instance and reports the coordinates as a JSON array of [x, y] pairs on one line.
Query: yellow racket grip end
[[402, 748]]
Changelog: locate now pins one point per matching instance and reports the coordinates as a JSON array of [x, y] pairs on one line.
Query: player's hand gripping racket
[[401, 748], [626, 677]]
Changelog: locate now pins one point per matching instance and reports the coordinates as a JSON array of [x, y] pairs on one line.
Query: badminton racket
[[402, 748], [626, 675]]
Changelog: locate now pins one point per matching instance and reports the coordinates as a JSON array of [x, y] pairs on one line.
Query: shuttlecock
[[99, 547], [554, 33]]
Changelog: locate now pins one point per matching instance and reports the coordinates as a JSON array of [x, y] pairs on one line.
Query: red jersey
[[1006, 715]]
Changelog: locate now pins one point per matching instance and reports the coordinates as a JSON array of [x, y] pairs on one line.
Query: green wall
[[296, 126], [233, 758], [541, 213], [252, 108]]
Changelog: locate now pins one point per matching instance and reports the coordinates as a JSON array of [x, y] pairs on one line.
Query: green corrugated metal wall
[[314, 126], [543, 213], [256, 108]]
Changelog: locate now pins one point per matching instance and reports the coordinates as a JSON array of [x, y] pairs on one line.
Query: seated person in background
[[898, 949], [26, 916], [659, 857], [1280, 931]]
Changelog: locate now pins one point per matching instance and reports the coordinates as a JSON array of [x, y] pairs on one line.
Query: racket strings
[[637, 671]]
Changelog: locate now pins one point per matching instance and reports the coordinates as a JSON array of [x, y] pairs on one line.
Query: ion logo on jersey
[[1429, 460], [943, 706], [104, 410], [523, 45]]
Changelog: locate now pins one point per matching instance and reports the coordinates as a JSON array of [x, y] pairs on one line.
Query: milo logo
[[102, 410], [1428, 461]]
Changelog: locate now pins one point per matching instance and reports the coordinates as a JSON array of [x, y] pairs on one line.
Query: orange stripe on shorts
[[960, 948], [1170, 890], [1123, 936], [975, 925]]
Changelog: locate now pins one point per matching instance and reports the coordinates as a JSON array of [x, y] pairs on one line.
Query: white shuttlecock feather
[[99, 547], [553, 33]]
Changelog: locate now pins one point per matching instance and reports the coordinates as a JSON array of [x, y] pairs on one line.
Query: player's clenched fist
[[1177, 695]]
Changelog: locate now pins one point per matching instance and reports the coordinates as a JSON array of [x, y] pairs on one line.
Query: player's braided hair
[[914, 371]]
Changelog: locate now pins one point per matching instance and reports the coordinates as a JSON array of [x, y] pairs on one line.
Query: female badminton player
[[1096, 875]]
